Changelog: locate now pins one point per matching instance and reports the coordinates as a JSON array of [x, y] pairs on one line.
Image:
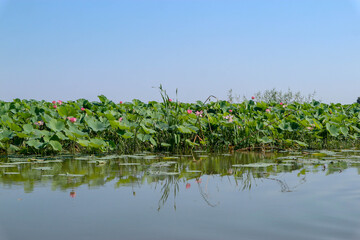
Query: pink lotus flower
[[120, 119], [53, 102], [170, 100], [71, 119], [252, 97], [55, 106], [39, 123], [59, 102], [197, 113], [229, 118], [121, 102], [230, 110], [267, 110], [188, 185], [281, 103], [82, 109], [189, 111], [72, 194]]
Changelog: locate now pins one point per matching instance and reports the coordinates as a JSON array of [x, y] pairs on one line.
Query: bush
[[274, 95]]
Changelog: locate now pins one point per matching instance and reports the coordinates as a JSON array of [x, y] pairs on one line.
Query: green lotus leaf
[[165, 144], [184, 129], [332, 129], [95, 125], [56, 125], [97, 143], [28, 128], [66, 111], [55, 145], [83, 142], [127, 135], [34, 143], [6, 134], [344, 130], [15, 127]]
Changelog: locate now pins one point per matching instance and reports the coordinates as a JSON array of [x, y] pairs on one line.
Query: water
[[239, 196]]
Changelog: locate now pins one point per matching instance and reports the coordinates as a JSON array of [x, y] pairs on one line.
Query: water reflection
[[168, 173]]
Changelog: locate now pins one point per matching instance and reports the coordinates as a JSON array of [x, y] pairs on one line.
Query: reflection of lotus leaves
[[110, 157], [350, 150], [8, 166], [18, 163], [289, 161], [162, 164], [85, 158], [311, 161], [255, 165], [71, 175], [17, 159], [43, 168], [158, 173], [151, 157], [286, 164], [53, 161], [128, 164], [330, 158], [289, 158]]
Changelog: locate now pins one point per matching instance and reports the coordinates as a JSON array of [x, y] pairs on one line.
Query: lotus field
[[40, 127]]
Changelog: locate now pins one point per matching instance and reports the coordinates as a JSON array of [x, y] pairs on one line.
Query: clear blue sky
[[70, 49]]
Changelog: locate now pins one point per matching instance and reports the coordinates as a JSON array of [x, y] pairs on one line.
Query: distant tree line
[[274, 95]]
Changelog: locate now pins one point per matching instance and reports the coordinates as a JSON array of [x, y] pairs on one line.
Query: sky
[[66, 49]]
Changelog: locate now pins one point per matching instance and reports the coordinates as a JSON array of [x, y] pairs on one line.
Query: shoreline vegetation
[[47, 128]]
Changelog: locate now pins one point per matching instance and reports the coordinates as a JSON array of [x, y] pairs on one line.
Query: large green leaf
[[147, 130], [6, 134], [34, 143], [184, 129], [265, 139], [127, 135], [83, 142], [95, 125], [66, 111], [103, 99], [302, 144], [97, 143], [28, 128], [56, 125], [333, 130], [55, 145], [119, 125], [15, 127], [344, 130]]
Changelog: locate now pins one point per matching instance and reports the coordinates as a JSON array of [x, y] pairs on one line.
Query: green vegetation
[[40, 127]]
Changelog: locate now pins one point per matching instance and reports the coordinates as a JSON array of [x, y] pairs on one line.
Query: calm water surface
[[239, 196]]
